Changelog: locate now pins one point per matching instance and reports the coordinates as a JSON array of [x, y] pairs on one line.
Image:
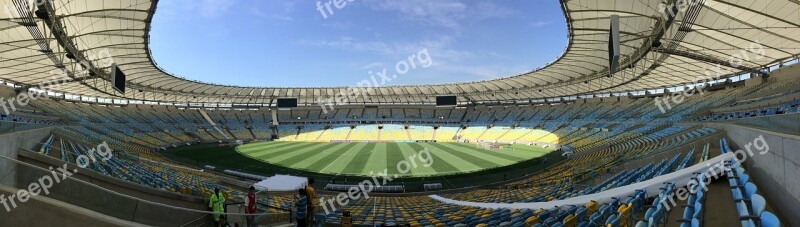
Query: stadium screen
[[613, 44], [446, 100], [287, 102], [118, 78]]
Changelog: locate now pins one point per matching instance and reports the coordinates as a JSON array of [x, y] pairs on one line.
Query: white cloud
[[212, 8], [339, 25], [458, 65], [442, 13], [439, 48], [539, 24], [275, 11], [486, 10], [372, 65]]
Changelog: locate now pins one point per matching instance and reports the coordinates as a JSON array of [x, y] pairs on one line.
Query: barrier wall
[[74, 191], [43, 211], [11, 142], [784, 123], [775, 172]]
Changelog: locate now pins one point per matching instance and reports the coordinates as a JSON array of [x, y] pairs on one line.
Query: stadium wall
[[775, 172], [111, 196], [43, 211], [786, 74], [6, 91], [10, 143]]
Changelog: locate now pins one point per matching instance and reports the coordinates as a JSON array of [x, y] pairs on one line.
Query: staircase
[[504, 134], [211, 122], [231, 133], [320, 134], [348, 134], [252, 133], [458, 134], [481, 135], [524, 134]]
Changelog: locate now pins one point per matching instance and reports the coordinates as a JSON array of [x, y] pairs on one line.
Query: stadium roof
[[658, 50]]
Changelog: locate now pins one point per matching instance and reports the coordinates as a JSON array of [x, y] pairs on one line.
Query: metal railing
[[79, 192]]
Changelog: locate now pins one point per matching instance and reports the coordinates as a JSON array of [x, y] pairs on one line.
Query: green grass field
[[360, 159]]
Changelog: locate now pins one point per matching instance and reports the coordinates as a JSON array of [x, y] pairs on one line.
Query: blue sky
[[289, 43]]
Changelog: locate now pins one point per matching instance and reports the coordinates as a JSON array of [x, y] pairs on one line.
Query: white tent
[[281, 183]]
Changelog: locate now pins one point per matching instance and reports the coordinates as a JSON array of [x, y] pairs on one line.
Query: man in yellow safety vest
[[217, 204]]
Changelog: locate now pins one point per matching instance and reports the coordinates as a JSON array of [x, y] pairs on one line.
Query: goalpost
[[483, 145], [493, 146]]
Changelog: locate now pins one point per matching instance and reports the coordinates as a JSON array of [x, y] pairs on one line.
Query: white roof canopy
[[699, 38]]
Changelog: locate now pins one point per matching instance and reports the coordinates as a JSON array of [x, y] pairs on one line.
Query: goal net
[[493, 146]]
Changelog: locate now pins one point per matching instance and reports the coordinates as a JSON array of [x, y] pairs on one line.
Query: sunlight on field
[[365, 158]]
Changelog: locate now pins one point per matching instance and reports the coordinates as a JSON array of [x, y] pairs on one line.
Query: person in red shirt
[[250, 206]]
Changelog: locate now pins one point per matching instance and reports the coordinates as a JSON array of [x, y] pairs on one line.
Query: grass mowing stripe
[[358, 162], [360, 158], [330, 157], [264, 151], [268, 157], [393, 156], [300, 151], [377, 160], [488, 155], [535, 149], [482, 154], [381, 159], [305, 161], [514, 156], [337, 165], [272, 150], [439, 163], [360, 166], [263, 145], [466, 156], [303, 155], [420, 168]]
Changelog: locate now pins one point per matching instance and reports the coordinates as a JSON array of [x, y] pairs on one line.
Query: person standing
[[250, 207], [301, 207], [312, 200], [217, 204]]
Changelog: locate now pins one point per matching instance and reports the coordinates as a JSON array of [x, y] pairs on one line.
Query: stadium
[[648, 113]]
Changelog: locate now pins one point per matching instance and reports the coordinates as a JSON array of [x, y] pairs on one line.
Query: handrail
[[263, 204], [195, 220], [116, 193]]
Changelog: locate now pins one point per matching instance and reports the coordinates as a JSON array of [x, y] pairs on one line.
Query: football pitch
[[403, 159]]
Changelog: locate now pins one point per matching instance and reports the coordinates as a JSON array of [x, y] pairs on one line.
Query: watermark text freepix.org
[[710, 74], [57, 175], [365, 187], [694, 185], [674, 8], [326, 10], [376, 79]]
